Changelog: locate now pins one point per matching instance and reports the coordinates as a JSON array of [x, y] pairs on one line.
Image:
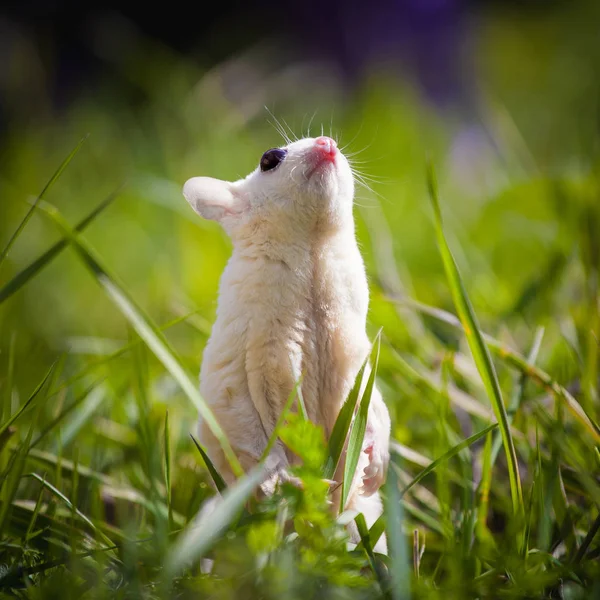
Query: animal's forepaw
[[277, 477], [374, 472]]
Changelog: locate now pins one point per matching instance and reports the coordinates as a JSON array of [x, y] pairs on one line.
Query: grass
[[487, 354]]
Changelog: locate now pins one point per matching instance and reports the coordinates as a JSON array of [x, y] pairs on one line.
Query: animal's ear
[[212, 198]]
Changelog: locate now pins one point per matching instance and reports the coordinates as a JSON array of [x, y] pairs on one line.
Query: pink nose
[[326, 145]]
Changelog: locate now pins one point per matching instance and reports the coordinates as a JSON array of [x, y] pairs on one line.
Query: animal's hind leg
[[248, 453]]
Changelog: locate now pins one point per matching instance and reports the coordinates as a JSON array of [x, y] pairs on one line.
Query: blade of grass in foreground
[[591, 534], [448, 455], [146, 329], [9, 484], [29, 400], [367, 546], [13, 577], [338, 436], [478, 348], [167, 443], [359, 426], [56, 492], [515, 360], [62, 498], [202, 533], [51, 181], [112, 487], [216, 476], [109, 357], [483, 492], [518, 393], [50, 426], [376, 531], [31, 270], [394, 515]]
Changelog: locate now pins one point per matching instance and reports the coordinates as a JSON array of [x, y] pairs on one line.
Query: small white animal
[[293, 300]]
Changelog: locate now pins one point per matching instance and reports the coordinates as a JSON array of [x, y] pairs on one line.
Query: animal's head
[[303, 187]]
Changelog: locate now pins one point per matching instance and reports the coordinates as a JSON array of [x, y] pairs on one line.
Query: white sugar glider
[[293, 300]]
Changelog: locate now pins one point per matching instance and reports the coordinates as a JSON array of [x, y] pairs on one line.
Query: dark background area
[[426, 37]]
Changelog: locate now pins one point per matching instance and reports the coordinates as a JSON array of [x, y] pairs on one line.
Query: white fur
[[293, 300]]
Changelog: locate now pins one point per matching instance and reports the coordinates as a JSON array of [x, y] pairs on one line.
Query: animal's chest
[[278, 302], [306, 320]]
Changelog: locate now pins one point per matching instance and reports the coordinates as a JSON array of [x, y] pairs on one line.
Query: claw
[[374, 472]]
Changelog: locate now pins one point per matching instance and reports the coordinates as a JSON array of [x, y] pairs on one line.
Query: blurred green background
[[517, 175], [516, 154]]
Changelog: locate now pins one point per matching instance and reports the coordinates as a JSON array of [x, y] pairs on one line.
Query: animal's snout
[[326, 147]]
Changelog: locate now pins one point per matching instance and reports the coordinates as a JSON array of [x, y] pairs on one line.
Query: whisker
[[365, 177], [373, 179], [278, 127], [294, 136], [360, 151], [353, 161], [364, 205], [310, 123], [280, 131], [355, 136]]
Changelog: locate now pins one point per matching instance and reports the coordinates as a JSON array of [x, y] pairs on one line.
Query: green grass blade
[[519, 391], [13, 578], [31, 210], [448, 455], [518, 362], [30, 271], [148, 331], [365, 539], [9, 484], [74, 495], [359, 426], [200, 535], [168, 462], [528, 517], [547, 483], [8, 379], [54, 422], [56, 492], [215, 475], [483, 491], [375, 532], [111, 486], [585, 544], [399, 561], [367, 545], [86, 410], [29, 400], [36, 510], [339, 434], [116, 354], [426, 380], [301, 405], [478, 348]]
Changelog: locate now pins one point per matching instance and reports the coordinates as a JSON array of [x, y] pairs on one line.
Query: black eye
[[271, 158]]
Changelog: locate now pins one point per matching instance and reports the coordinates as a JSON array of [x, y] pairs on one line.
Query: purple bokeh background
[[426, 38]]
